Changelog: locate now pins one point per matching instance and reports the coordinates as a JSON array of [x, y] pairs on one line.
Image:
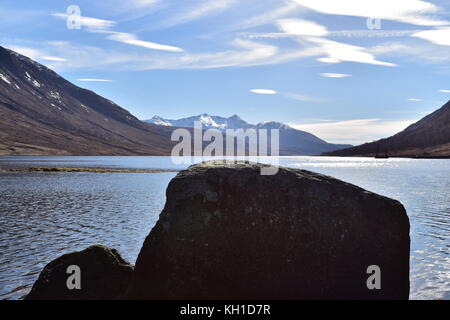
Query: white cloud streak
[[335, 75], [36, 54], [338, 51], [53, 58], [354, 131], [416, 12], [131, 39], [263, 91], [313, 34], [290, 95], [302, 27], [436, 36], [92, 24], [104, 26]]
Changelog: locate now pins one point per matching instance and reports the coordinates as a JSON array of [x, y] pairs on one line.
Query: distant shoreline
[[89, 170], [268, 156]]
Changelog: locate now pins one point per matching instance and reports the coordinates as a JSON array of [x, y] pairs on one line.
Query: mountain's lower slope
[[427, 138], [41, 114]]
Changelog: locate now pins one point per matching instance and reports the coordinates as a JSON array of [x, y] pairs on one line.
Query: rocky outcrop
[[227, 232], [104, 275]]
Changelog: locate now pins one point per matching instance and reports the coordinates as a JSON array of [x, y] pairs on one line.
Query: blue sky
[[318, 65]]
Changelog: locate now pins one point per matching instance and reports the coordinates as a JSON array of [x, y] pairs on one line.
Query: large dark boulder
[[227, 232], [104, 275]]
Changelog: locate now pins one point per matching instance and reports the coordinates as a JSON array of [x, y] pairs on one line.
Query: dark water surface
[[43, 215]]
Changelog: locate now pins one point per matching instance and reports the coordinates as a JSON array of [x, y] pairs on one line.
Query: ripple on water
[[46, 215], [43, 215]]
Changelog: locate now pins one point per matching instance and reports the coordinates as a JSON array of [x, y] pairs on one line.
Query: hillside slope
[[427, 138], [43, 114]]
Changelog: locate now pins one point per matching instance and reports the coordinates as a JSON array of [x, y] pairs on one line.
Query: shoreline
[[88, 170], [281, 156]]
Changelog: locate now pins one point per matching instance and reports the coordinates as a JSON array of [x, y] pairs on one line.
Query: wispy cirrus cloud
[[141, 3], [94, 80], [201, 9], [290, 95], [354, 131], [263, 91], [339, 52], [299, 27], [131, 39], [335, 75], [270, 16], [314, 34], [244, 53], [36, 54], [91, 24], [415, 12], [96, 25], [415, 100], [437, 36]]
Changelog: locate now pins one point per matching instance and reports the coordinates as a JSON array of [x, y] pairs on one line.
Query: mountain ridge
[[41, 113], [292, 141], [217, 122]]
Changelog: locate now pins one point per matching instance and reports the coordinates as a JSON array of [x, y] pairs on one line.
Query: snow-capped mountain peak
[[208, 122], [217, 122], [273, 125], [159, 121]]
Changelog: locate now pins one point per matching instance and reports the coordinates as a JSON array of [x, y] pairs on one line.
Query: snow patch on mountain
[[55, 95], [159, 121], [5, 78], [217, 122]]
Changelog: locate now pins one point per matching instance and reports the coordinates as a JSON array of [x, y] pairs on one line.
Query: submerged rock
[[104, 274], [227, 232]]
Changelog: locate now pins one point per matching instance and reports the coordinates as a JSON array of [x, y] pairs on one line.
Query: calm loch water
[[43, 215]]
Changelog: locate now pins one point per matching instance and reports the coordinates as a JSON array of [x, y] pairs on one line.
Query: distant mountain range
[[427, 138], [292, 141], [41, 113]]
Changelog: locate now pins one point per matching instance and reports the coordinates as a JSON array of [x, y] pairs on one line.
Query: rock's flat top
[[228, 232]]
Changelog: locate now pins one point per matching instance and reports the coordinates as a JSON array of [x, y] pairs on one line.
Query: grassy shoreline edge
[[89, 170]]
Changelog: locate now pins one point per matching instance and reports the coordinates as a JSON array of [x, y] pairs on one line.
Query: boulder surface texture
[[227, 232]]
